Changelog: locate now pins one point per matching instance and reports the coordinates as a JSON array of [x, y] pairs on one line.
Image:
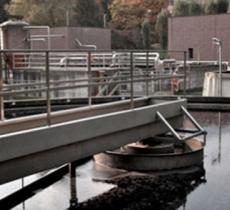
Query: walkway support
[[1, 89], [193, 133], [30, 151], [73, 186]]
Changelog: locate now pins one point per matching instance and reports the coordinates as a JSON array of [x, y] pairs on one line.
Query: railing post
[[185, 73], [89, 78], [1, 90], [147, 73], [48, 101], [131, 81], [73, 186]]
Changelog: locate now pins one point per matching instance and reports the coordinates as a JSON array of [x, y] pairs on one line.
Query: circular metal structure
[[156, 157]]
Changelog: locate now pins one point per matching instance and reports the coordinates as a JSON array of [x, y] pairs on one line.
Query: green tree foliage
[[105, 8], [3, 12], [87, 13], [162, 28], [187, 7], [181, 8], [217, 7], [195, 8], [128, 14], [42, 12], [222, 6], [61, 12], [48, 12], [145, 31], [211, 7], [191, 7]]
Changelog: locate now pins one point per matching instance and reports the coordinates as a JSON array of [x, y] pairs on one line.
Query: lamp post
[[218, 42]]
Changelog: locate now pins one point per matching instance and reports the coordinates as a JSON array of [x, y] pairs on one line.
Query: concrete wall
[[14, 38], [196, 32], [87, 36], [195, 75], [212, 84]]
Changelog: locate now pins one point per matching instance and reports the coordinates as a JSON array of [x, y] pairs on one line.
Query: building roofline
[[202, 15]]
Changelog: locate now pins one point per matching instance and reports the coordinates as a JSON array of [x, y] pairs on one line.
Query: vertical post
[[220, 138], [23, 185], [48, 101], [73, 186], [67, 17], [147, 73], [105, 20], [48, 38], [205, 139], [218, 42], [220, 67], [89, 79], [1, 90], [185, 73], [131, 81]]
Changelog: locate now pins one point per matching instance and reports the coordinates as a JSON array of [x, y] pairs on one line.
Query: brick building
[[194, 34]]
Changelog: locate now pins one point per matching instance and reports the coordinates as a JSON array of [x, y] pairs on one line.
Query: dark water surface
[[212, 195], [215, 193]]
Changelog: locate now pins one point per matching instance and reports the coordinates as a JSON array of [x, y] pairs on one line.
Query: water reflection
[[215, 193], [217, 159], [23, 203], [220, 138]]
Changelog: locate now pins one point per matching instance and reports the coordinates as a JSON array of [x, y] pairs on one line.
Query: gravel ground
[[145, 193]]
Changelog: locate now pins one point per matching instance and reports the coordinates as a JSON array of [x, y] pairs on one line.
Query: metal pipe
[[90, 78], [9, 93], [64, 82], [73, 186], [1, 90], [131, 83], [48, 100], [147, 73], [48, 33], [220, 68], [105, 20], [87, 80], [36, 39], [168, 125], [185, 73], [193, 135], [88, 50], [205, 139], [185, 111], [46, 36]]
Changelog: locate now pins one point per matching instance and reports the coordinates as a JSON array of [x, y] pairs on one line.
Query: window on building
[[190, 53]]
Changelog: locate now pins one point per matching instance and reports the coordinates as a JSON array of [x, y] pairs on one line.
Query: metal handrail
[[49, 57], [10, 93], [23, 60], [12, 86]]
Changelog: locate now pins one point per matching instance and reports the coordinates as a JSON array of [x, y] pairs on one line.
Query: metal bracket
[[194, 133]]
